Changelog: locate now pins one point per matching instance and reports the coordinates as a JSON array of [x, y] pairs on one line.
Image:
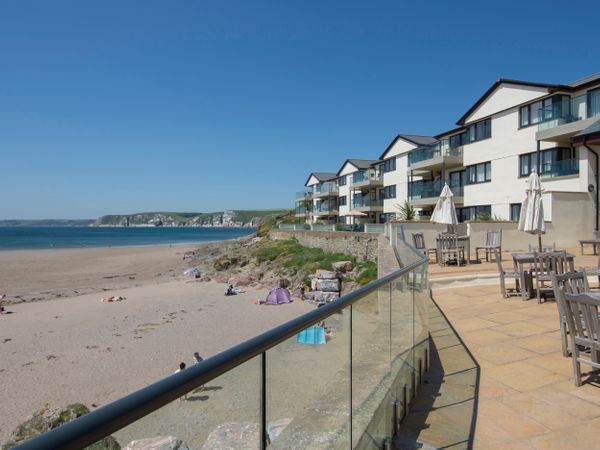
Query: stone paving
[[521, 392]]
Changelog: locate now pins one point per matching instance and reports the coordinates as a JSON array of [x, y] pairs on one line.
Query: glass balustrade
[[366, 176], [323, 207], [424, 189], [327, 188], [439, 149], [340, 376], [569, 110], [303, 194], [560, 168], [365, 202]]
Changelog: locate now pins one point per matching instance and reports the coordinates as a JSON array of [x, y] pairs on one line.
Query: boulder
[[47, 419], [325, 274], [158, 443], [233, 435], [343, 266], [326, 285], [326, 297]]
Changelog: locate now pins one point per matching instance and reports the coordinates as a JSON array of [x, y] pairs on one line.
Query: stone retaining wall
[[362, 246]]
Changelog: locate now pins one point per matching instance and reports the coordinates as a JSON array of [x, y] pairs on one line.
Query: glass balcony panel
[[303, 194], [439, 149], [366, 176], [560, 168], [562, 112], [425, 189], [328, 188], [371, 402], [226, 408], [308, 387], [360, 201]]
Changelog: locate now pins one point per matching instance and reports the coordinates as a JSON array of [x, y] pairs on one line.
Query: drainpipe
[[596, 177]]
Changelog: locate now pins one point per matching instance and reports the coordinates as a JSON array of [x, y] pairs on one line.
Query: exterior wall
[[363, 246], [506, 96], [399, 176], [347, 169]]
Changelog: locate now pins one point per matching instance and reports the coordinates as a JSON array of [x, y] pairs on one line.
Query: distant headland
[[230, 218]]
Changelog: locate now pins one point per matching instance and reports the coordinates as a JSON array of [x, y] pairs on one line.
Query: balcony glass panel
[[325, 207], [360, 201], [326, 188], [425, 189], [569, 110], [439, 149], [303, 194], [366, 175], [560, 168]]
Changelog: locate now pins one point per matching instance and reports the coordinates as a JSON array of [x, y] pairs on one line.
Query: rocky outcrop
[[47, 419], [326, 287], [343, 266]]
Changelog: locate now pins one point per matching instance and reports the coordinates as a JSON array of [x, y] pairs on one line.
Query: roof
[[586, 80], [452, 131], [416, 139], [321, 176], [499, 82], [360, 164]]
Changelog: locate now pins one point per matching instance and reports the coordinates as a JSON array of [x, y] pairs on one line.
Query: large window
[[515, 211], [479, 173], [457, 140], [342, 200], [473, 212], [593, 103], [389, 165], [555, 162], [554, 107], [388, 192], [478, 131], [342, 180]]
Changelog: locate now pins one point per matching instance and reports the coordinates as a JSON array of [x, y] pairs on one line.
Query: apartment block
[[513, 128]]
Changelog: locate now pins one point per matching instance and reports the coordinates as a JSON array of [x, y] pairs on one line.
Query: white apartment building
[[514, 127]]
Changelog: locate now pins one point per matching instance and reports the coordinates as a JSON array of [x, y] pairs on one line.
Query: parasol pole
[[540, 242]]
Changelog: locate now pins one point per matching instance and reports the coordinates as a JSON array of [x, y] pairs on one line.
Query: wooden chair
[[581, 311], [419, 243], [572, 283], [543, 264], [593, 271], [448, 247], [545, 247], [504, 274], [493, 240]]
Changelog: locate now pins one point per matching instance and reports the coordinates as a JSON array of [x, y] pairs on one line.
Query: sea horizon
[[71, 237]]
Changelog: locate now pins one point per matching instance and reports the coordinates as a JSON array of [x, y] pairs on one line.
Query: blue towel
[[311, 336]]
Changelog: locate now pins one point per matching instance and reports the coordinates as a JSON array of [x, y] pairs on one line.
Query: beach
[[60, 344]]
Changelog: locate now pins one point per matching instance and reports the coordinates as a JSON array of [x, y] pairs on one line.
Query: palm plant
[[406, 211]]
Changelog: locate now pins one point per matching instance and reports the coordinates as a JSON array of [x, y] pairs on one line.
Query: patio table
[[520, 259], [463, 241], [593, 242]]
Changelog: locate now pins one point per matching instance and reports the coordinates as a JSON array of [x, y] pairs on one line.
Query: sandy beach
[[61, 344]]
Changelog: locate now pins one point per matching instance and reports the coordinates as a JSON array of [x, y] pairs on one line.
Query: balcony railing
[[568, 110], [366, 177], [324, 207], [326, 189], [439, 149], [424, 189], [357, 363], [300, 211], [560, 168], [360, 202], [304, 195]]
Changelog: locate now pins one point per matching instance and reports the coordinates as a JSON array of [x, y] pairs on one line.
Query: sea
[[23, 238]]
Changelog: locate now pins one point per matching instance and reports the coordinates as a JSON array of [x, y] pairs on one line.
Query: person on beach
[[2, 310], [181, 368], [233, 291], [197, 358]]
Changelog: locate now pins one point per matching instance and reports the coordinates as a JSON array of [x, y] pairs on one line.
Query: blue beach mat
[[311, 336]]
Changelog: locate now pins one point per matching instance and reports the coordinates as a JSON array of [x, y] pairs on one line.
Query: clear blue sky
[[122, 106]]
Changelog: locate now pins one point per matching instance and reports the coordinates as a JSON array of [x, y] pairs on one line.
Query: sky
[[118, 106]]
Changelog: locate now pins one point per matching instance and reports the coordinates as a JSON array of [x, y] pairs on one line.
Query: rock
[[325, 274], [158, 443], [326, 285], [320, 296], [343, 266], [233, 435], [47, 419]]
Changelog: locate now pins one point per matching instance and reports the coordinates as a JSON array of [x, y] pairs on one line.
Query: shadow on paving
[[444, 413]]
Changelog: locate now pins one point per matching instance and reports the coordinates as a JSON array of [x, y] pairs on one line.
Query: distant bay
[[21, 238]]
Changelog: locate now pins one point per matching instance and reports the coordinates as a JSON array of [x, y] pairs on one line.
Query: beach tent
[[532, 209], [445, 212], [278, 296]]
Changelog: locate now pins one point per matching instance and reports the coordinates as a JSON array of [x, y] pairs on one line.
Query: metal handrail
[[104, 421]]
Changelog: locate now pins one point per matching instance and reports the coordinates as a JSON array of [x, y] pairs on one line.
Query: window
[[551, 108], [457, 140], [388, 192], [479, 173], [478, 131], [593, 103], [473, 212], [389, 165], [342, 219], [342, 200], [515, 211], [555, 162], [342, 181]]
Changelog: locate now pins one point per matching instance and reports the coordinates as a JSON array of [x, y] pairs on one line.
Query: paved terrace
[[517, 381]]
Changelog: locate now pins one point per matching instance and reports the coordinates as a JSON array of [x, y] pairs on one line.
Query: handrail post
[[264, 437]]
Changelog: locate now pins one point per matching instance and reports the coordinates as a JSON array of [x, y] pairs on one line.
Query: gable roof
[[321, 176], [415, 139], [591, 131], [360, 164], [587, 80], [494, 86]]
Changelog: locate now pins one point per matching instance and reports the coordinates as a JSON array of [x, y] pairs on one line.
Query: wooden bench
[[593, 242]]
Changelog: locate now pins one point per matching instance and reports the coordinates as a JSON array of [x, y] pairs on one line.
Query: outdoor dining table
[[520, 260], [463, 241]]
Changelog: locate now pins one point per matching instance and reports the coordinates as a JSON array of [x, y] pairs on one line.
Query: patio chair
[[581, 311], [419, 243], [545, 247], [505, 274], [493, 240], [572, 283], [543, 264], [593, 271], [448, 248]]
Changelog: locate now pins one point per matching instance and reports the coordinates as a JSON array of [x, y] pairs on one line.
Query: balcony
[[304, 195], [560, 168], [367, 178], [325, 209], [565, 118], [327, 189], [423, 193], [366, 204], [301, 211], [429, 156]]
